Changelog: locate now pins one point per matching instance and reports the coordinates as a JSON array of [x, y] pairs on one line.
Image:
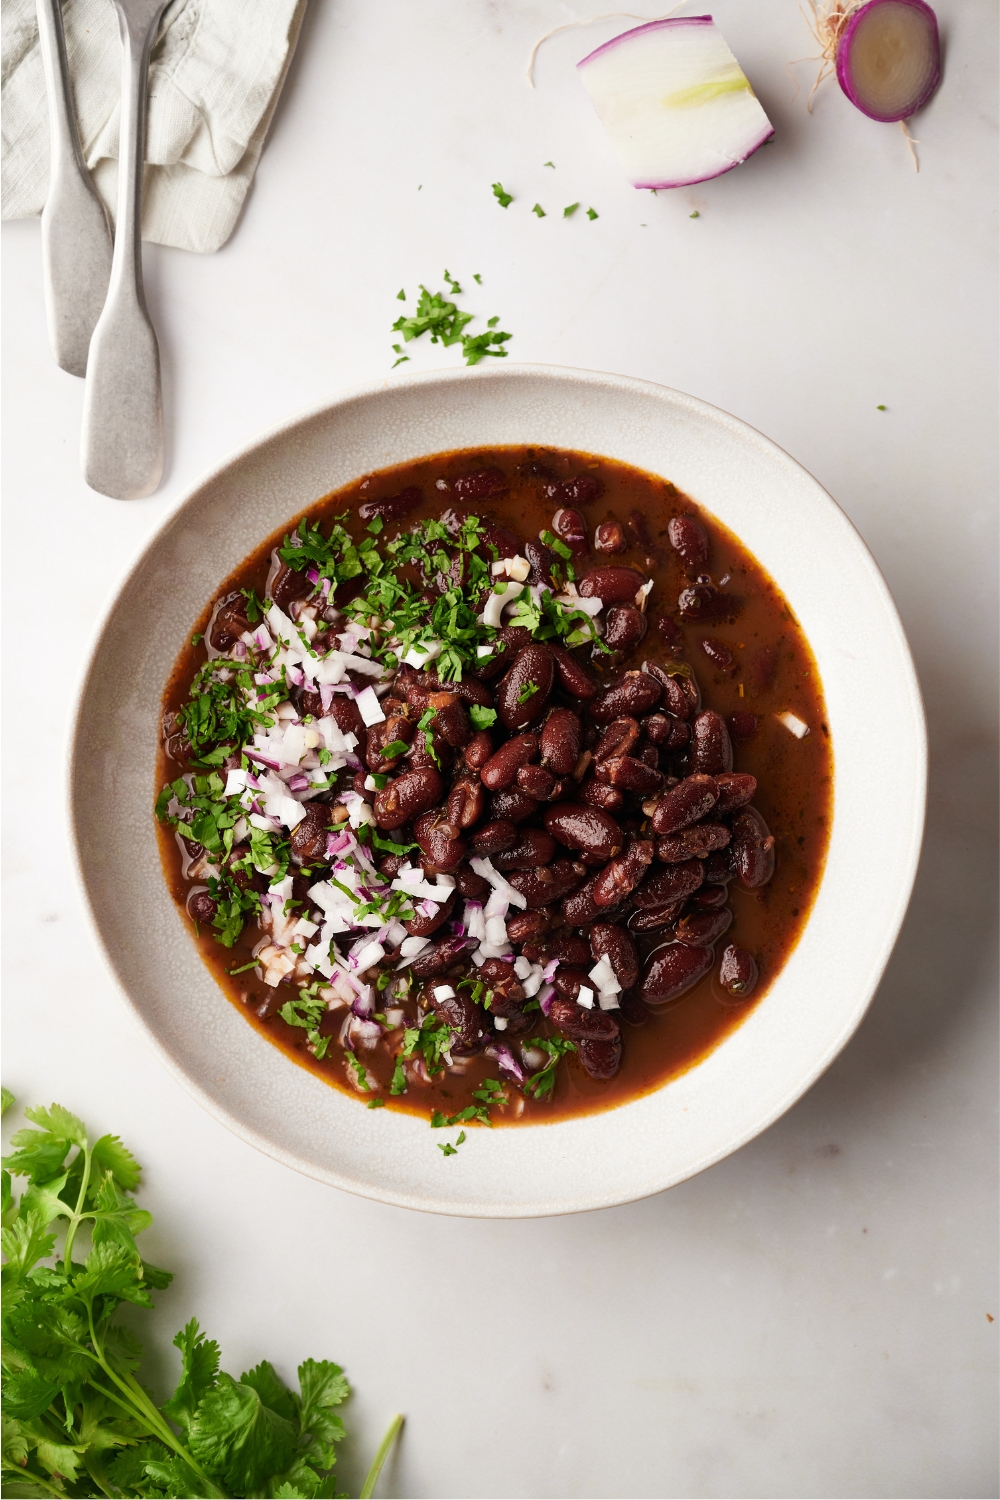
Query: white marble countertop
[[809, 1317]]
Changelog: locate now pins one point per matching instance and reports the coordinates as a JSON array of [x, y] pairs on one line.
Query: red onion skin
[[846, 43]]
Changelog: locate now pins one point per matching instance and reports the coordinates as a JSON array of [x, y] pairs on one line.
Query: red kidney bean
[[581, 490], [738, 971], [657, 918], [578, 1023], [466, 803], [735, 789], [572, 528], [671, 971], [470, 689], [469, 884], [573, 677], [719, 655], [499, 976], [581, 908], [671, 884], [412, 793], [438, 840], [670, 632], [478, 751], [441, 956], [393, 508], [650, 756], [437, 755], [753, 849], [703, 602], [493, 838], [657, 729], [421, 926], [681, 696], [358, 784], [601, 1060], [523, 926], [537, 782], [201, 907], [709, 897], [630, 775], [618, 739], [468, 1022], [633, 693], [687, 802], [620, 876], [500, 771], [308, 838], [711, 748], [608, 940], [534, 847], [450, 719], [548, 883], [229, 620], [598, 794], [743, 725], [480, 485], [569, 982], [285, 585], [609, 537], [541, 561], [511, 640], [639, 529], [763, 666], [719, 867], [585, 828], [567, 949], [560, 741], [624, 627], [524, 691], [611, 584], [692, 843], [632, 1010], [702, 929], [512, 805], [689, 540]]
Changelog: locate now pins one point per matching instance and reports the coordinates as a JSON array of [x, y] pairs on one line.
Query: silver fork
[[122, 441], [76, 235]]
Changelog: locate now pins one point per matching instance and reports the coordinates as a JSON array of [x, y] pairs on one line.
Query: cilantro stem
[[78, 1215], [368, 1488], [24, 1476]]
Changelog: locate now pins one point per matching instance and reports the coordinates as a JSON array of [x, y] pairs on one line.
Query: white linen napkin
[[216, 73]]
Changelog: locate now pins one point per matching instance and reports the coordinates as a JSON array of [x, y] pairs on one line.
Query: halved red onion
[[889, 58]]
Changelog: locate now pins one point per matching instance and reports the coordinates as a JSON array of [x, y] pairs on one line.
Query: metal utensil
[[76, 233], [122, 441]]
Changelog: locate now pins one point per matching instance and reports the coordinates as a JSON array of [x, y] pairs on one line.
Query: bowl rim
[[214, 1105]]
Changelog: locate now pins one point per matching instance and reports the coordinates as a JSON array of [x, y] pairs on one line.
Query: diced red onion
[[546, 995], [312, 576], [363, 1005], [326, 692], [506, 1060], [550, 968], [336, 843], [239, 651], [262, 760], [298, 782]]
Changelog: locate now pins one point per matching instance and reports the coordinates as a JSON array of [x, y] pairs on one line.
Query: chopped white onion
[[443, 992], [369, 707], [793, 724], [411, 946], [493, 613], [585, 997]]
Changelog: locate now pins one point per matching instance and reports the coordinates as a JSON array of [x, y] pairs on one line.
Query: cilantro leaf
[[539, 211], [504, 199], [570, 210], [199, 1369], [237, 1438], [482, 717]]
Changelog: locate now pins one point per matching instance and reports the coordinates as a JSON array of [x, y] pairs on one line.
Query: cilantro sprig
[[540, 1084], [77, 1420]]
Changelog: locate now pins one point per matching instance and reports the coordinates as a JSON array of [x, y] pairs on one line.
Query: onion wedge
[[675, 102]]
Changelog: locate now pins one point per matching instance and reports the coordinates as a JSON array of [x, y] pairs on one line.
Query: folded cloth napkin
[[216, 73]]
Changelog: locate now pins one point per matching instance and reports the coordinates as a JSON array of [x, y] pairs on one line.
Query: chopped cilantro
[[476, 277], [555, 544], [570, 210], [528, 691], [695, 215], [541, 1084], [539, 210], [447, 1149], [197, 637], [548, 163], [880, 408], [243, 967], [360, 1072], [376, 1104], [592, 213], [482, 717], [398, 747], [401, 295], [502, 198]]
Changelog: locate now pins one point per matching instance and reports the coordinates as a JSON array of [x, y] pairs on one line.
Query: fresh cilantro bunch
[[437, 315], [77, 1421]]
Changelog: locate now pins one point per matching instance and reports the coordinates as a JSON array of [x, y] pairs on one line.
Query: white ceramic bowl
[[875, 715]]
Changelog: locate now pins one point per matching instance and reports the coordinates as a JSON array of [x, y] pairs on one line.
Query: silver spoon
[[76, 234], [122, 442]]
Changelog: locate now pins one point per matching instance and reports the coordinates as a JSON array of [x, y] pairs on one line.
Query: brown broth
[[795, 791]]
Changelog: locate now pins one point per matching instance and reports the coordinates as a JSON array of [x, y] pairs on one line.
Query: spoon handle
[[76, 235], [122, 444]]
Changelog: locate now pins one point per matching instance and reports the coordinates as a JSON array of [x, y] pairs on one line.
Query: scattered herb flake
[[592, 213], [503, 198], [570, 211], [539, 210]]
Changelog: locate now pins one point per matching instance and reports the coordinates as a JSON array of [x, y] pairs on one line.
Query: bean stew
[[498, 787]]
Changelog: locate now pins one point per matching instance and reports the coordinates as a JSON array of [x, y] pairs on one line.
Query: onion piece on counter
[[675, 102], [889, 58]]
